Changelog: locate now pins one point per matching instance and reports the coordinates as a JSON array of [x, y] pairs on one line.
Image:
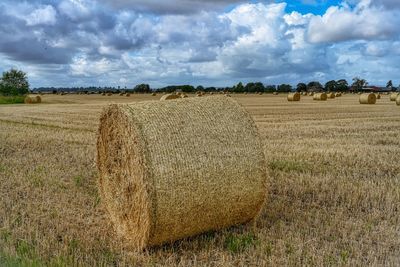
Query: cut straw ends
[[368, 98], [293, 97]]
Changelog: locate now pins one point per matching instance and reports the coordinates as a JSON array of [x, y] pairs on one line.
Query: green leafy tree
[[301, 87], [314, 86], [239, 88], [389, 84], [284, 88], [14, 82], [358, 83], [142, 88], [342, 85], [331, 86]]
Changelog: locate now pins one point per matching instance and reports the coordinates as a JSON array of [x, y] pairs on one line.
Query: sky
[[209, 42]]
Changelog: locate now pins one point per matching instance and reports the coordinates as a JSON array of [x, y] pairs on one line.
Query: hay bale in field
[[378, 96], [128, 94], [293, 97], [275, 93], [338, 94], [398, 101], [153, 94], [331, 95], [393, 96], [109, 94], [158, 186], [183, 95], [320, 96], [32, 100], [311, 93], [169, 97], [368, 98]]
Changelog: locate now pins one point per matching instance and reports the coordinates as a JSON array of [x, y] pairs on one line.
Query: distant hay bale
[[293, 97], [109, 94], [331, 95], [128, 95], [103, 94], [359, 93], [378, 96], [199, 94], [398, 100], [169, 97], [320, 96], [311, 93], [275, 93], [121, 94], [158, 186], [368, 98], [260, 93], [32, 100], [153, 94], [338, 94], [393, 96], [183, 95]]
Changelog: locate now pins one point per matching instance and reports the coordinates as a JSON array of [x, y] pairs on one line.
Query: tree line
[[15, 82]]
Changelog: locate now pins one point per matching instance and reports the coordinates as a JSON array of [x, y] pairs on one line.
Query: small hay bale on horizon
[[320, 97], [158, 187], [367, 98], [169, 97], [331, 95], [33, 100], [393, 96], [293, 96], [378, 96]]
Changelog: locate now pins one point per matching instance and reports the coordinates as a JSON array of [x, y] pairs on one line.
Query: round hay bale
[[183, 95], [338, 94], [378, 96], [275, 93], [153, 94], [320, 96], [368, 98], [159, 186], [169, 97], [121, 94], [32, 100], [331, 95], [398, 101], [393, 96], [109, 94], [311, 93], [128, 94], [293, 97]]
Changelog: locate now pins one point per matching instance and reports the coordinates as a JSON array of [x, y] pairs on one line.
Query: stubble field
[[333, 188]]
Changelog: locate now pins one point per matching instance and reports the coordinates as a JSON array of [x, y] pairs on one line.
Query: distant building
[[376, 89]]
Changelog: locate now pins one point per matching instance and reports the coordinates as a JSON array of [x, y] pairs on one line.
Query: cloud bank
[[122, 43]]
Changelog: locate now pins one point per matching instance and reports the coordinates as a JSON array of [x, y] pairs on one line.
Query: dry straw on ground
[[169, 97], [293, 97], [160, 186], [368, 98], [393, 96], [33, 99], [320, 96]]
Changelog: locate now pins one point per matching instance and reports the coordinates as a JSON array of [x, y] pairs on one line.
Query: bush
[[14, 82], [12, 99]]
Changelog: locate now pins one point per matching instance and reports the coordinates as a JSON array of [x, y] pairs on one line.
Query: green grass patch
[[289, 166], [12, 100], [239, 243]]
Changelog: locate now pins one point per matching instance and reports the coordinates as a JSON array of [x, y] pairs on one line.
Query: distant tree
[[270, 88], [358, 83], [389, 84], [342, 85], [301, 87], [314, 86], [254, 87], [239, 88], [142, 88], [284, 88], [200, 88], [331, 86], [14, 82]]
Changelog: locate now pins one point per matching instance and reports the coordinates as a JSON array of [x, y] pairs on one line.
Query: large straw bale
[[398, 100], [378, 96], [159, 185], [331, 95], [293, 97], [169, 97], [393, 96], [320, 96], [368, 98]]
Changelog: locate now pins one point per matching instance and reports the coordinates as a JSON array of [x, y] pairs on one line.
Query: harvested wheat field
[[328, 203]]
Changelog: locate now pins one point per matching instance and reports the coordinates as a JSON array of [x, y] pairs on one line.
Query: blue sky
[[208, 42]]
